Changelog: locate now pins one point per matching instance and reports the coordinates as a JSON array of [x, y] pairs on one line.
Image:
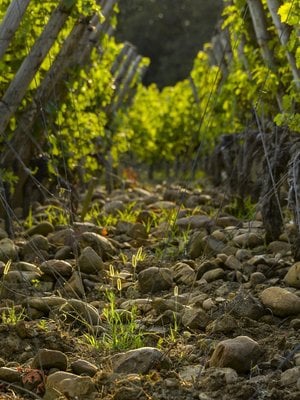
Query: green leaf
[[284, 11]]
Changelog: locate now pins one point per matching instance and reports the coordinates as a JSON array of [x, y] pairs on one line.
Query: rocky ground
[[165, 293]]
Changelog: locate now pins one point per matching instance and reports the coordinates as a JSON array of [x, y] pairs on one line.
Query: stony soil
[[201, 308]]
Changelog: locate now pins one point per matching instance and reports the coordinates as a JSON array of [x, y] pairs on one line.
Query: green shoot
[[139, 256], [43, 324], [11, 316], [175, 327], [122, 332], [123, 257], [92, 341], [7, 267], [28, 223], [57, 215], [130, 213]]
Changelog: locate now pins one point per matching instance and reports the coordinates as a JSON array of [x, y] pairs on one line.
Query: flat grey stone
[[138, 361], [154, 279]]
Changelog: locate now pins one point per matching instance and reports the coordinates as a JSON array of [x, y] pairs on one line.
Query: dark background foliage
[[169, 32]]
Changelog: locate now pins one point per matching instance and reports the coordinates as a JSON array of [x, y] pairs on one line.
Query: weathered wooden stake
[[10, 23], [18, 86], [283, 31]]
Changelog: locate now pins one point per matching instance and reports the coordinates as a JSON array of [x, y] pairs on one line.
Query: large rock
[[81, 227], [214, 274], [212, 246], [8, 250], [227, 221], [74, 286], [233, 263], [240, 353], [161, 305], [248, 240], [206, 266], [292, 278], [64, 253], [224, 324], [23, 277], [47, 359], [245, 305], [81, 312], [279, 247], [155, 279], [10, 375], [90, 262], [138, 361], [63, 237], [34, 246], [195, 318], [100, 244], [71, 385], [290, 376], [83, 367], [44, 304], [195, 245], [193, 222], [57, 268], [25, 266], [43, 228], [280, 301], [183, 273]]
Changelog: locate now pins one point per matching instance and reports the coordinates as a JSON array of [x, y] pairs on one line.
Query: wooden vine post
[[219, 53], [121, 69], [66, 58], [121, 72], [120, 57], [260, 26], [11, 23], [21, 140], [20, 148], [17, 88], [126, 84], [261, 31], [95, 34], [283, 32]]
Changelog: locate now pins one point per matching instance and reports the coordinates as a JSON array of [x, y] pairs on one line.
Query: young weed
[[130, 213], [122, 331], [139, 256], [5, 272], [93, 341], [57, 215], [43, 325], [28, 223], [175, 328], [123, 257], [12, 315], [96, 215]]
